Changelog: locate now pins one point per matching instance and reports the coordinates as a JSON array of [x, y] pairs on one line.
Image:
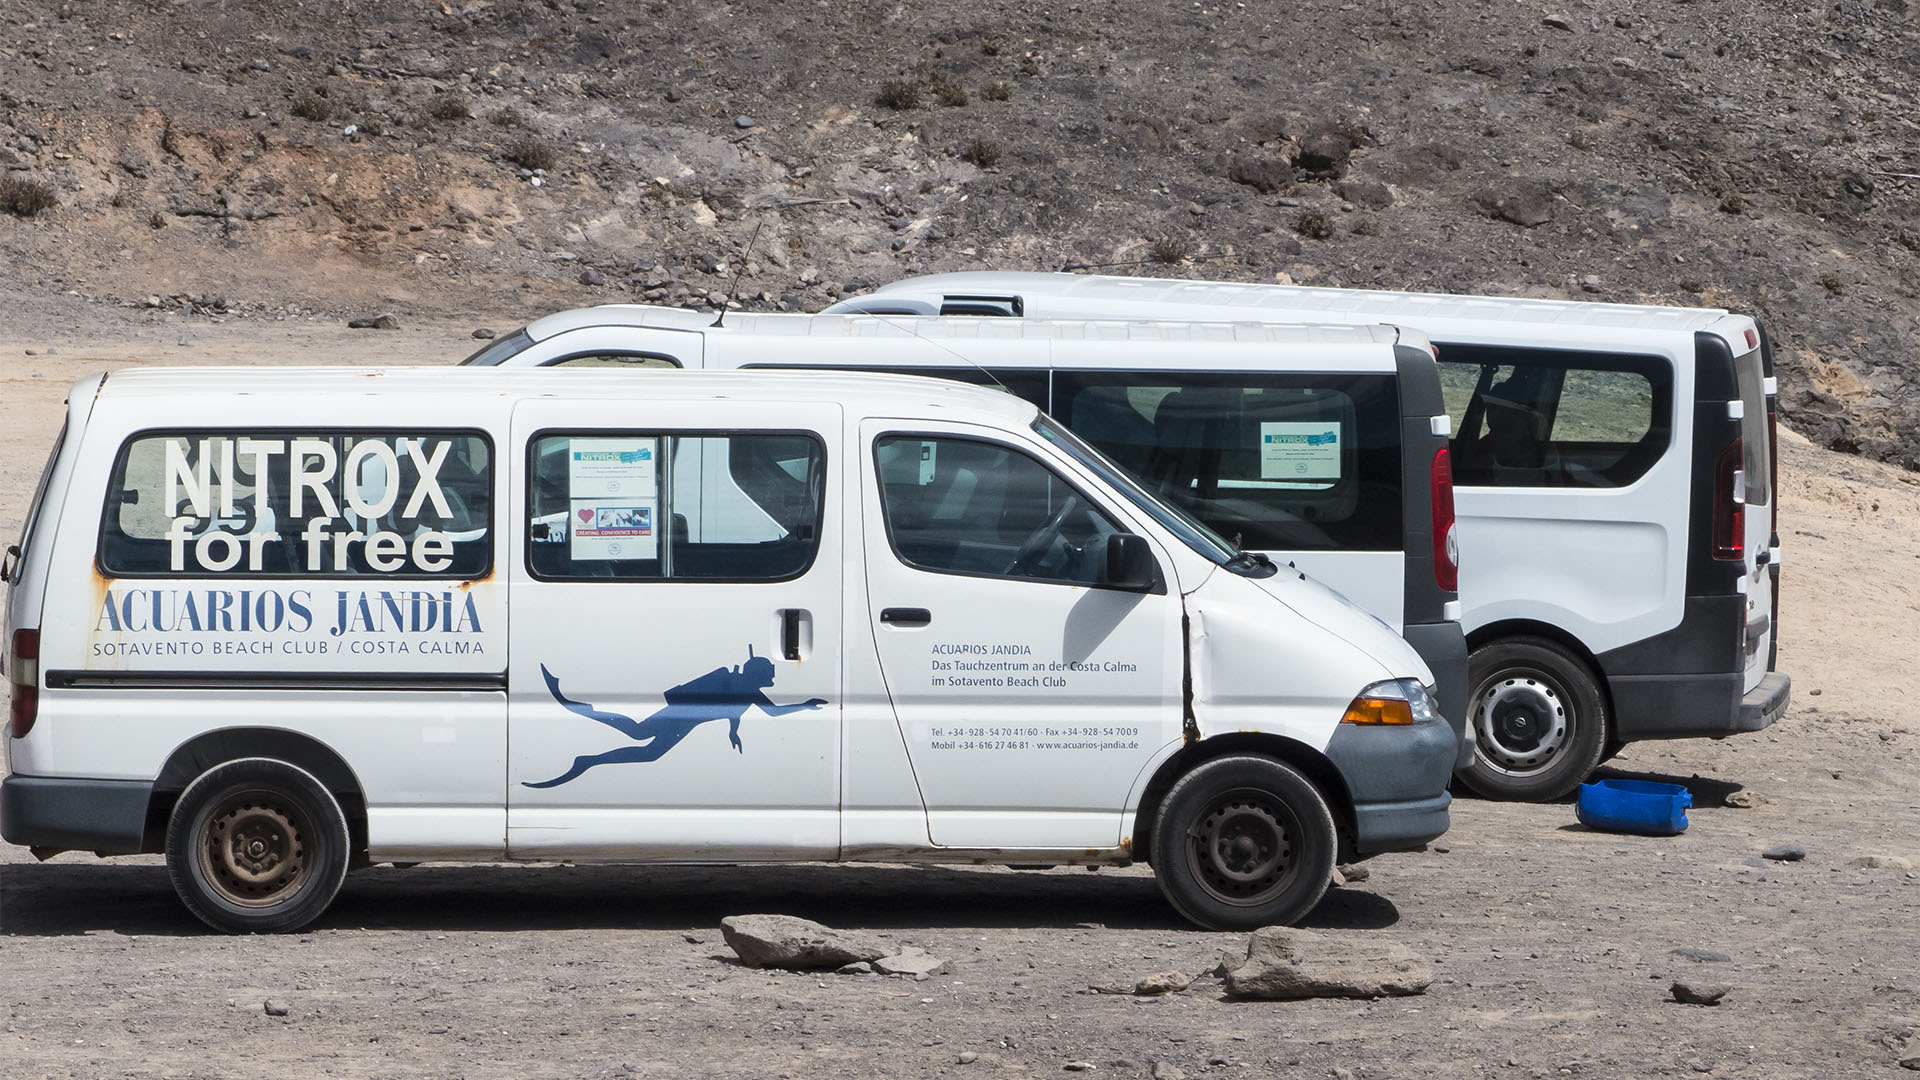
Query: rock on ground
[[912, 962], [1689, 993], [1283, 963], [1162, 982], [785, 941]]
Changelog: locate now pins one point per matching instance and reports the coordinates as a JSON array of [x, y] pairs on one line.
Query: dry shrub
[[531, 152], [900, 94], [25, 198]]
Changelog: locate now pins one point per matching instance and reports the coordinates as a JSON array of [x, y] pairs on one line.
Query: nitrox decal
[[720, 694]]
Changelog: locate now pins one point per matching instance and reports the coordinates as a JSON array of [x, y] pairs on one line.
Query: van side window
[[623, 361], [1266, 460], [263, 503], [963, 506], [1554, 418], [653, 506]]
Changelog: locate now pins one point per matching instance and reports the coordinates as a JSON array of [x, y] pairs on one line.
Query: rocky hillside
[[168, 161]]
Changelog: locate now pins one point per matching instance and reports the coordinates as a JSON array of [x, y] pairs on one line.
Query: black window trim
[[117, 475], [526, 538], [1119, 521]]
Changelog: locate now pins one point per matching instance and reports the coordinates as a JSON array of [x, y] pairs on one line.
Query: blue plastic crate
[[1635, 806]]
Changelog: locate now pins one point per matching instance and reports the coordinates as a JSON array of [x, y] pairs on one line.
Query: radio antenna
[[735, 287]]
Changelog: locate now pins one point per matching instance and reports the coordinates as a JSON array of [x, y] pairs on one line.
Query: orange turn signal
[[1378, 710]]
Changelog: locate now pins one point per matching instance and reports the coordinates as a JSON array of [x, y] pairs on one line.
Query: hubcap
[[253, 849], [1241, 849], [1520, 720]]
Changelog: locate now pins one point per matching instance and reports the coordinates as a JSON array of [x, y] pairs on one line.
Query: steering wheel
[[1045, 535]]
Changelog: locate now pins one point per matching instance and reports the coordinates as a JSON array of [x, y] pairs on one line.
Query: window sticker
[[613, 489], [597, 468], [1295, 450], [601, 531]]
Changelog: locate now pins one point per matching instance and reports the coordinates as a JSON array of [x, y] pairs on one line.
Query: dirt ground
[[1554, 945]]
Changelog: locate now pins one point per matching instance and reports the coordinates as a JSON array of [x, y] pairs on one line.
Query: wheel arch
[[1310, 762], [214, 748]]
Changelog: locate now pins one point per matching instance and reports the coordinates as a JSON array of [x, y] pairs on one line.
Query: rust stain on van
[[465, 586]]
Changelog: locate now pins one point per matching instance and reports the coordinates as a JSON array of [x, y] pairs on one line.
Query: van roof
[[1230, 300], [874, 394], [963, 328]]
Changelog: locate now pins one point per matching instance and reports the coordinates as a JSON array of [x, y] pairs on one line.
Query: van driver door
[[1030, 697], [674, 663]]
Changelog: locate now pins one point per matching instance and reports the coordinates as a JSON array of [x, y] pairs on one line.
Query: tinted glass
[[1554, 418], [649, 506], [1268, 461], [616, 360], [300, 504], [1753, 429], [961, 506], [494, 352]]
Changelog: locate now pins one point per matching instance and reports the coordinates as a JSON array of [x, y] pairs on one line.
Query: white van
[[281, 622], [1614, 468], [1323, 447]]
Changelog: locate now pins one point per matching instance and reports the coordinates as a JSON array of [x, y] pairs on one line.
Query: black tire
[[1537, 720], [1244, 842], [257, 846]]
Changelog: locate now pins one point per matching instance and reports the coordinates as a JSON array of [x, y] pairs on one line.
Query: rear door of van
[[675, 675]]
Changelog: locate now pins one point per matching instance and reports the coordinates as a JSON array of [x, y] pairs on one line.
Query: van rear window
[[253, 503], [1268, 461]]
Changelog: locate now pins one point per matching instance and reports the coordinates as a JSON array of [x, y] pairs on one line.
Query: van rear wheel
[[1538, 721], [1244, 842], [257, 846]]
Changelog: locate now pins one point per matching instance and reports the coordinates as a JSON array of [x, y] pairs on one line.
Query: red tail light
[[1446, 546], [1730, 503], [23, 671]]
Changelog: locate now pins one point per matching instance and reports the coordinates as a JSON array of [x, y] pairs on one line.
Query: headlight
[[1399, 701]]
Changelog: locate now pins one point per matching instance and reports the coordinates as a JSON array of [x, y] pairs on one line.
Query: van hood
[[1337, 615]]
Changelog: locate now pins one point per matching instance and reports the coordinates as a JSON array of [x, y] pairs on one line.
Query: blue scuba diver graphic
[[719, 694]]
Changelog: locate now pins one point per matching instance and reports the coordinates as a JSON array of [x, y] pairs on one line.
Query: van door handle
[[906, 616], [790, 633]]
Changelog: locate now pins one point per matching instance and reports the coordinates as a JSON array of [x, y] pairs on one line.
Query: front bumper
[[1397, 778], [67, 814]]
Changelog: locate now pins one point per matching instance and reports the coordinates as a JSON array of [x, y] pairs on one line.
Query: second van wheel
[[1244, 842], [1537, 720]]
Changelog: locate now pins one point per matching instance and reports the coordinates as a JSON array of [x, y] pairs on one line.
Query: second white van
[[1615, 472]]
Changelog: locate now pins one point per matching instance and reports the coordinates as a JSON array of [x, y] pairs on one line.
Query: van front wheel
[[257, 846], [1244, 842], [1537, 719]]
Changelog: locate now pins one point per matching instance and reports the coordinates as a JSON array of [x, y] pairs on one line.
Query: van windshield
[[1176, 521], [494, 353], [33, 508]]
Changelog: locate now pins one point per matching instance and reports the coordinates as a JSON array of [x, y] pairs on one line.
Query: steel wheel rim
[[1521, 718], [1241, 848], [253, 849]]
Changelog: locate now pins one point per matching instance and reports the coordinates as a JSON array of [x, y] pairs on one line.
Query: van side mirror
[[1130, 563]]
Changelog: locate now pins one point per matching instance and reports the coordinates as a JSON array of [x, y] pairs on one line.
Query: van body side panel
[[138, 666], [674, 684]]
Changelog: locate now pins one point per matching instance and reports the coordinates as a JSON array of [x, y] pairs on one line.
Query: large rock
[[1284, 964], [783, 941]]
